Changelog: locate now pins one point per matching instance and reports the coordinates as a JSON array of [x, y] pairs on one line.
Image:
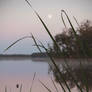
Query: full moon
[[49, 16]]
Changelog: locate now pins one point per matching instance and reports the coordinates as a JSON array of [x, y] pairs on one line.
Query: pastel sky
[[17, 20]]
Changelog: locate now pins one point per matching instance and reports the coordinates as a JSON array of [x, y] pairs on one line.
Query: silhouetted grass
[[33, 81], [51, 57], [21, 88], [54, 85], [45, 86], [5, 88]]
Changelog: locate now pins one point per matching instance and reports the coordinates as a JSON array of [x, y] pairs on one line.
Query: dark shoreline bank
[[15, 57], [38, 58]]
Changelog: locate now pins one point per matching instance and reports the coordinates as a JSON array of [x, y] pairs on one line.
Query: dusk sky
[[17, 20]]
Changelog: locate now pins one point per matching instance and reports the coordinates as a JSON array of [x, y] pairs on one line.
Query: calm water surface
[[14, 72]]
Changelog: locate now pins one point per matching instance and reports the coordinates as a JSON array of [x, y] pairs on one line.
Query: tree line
[[71, 46]]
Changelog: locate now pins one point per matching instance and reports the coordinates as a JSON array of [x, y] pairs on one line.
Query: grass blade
[[63, 89], [21, 88], [76, 21], [54, 85], [16, 42], [63, 20], [62, 11], [32, 82], [5, 88], [76, 36], [56, 67], [58, 49], [36, 43], [45, 86]]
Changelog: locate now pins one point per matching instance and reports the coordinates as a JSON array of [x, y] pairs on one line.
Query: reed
[[20, 88], [33, 81], [5, 88], [58, 50]]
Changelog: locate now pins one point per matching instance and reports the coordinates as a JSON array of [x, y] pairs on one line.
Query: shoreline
[[37, 58]]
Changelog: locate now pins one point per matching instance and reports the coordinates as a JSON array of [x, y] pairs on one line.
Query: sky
[[17, 20]]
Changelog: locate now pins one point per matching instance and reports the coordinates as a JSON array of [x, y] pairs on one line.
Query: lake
[[13, 72]]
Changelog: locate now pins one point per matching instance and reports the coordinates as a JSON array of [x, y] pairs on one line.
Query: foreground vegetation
[[73, 43], [73, 47]]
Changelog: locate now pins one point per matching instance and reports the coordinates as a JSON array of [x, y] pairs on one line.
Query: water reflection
[[14, 72], [72, 71]]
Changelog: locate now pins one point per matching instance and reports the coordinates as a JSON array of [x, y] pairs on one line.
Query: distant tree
[[73, 47], [85, 33]]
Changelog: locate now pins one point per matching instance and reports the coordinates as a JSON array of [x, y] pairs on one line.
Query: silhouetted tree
[[80, 47]]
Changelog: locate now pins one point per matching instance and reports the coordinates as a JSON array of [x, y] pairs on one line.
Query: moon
[[50, 16]]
